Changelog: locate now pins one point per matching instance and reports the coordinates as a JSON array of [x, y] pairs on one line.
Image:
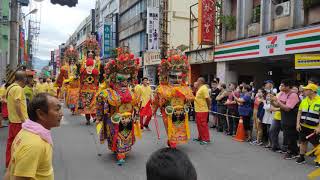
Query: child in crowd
[[258, 113], [169, 164], [267, 118]]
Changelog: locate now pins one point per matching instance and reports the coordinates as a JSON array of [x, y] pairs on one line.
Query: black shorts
[[246, 122], [306, 132]]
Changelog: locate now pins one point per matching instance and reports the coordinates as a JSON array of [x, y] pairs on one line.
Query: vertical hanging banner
[[107, 41], [21, 46], [206, 22], [153, 28], [100, 40], [57, 58]]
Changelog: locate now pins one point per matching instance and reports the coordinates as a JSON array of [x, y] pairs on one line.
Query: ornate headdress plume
[[91, 44], [125, 63], [175, 62], [70, 54]]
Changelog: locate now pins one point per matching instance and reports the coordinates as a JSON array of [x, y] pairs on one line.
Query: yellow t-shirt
[[16, 93], [52, 90], [41, 88], [2, 93], [200, 102], [146, 93], [31, 157], [277, 115]]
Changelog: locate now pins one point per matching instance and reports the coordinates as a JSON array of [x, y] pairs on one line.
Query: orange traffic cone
[[241, 134]]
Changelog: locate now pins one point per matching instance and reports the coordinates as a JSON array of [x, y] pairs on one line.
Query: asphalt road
[[76, 149]]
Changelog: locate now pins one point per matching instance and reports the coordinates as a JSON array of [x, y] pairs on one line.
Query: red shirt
[[256, 103]]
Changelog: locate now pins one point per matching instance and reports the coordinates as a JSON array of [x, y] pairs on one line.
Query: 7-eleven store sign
[[298, 41]]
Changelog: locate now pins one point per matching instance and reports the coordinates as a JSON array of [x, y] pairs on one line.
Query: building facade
[[132, 25], [4, 36], [107, 26], [83, 32], [173, 25], [260, 39]]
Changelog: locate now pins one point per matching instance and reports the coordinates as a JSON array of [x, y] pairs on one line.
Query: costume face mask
[[91, 53], [123, 79], [175, 77], [72, 62]]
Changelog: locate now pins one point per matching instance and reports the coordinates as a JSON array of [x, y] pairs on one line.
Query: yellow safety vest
[[310, 112]]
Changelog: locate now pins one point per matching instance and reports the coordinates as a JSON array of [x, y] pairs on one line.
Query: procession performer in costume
[[89, 79], [60, 78], [316, 152], [71, 85], [173, 97], [118, 105]]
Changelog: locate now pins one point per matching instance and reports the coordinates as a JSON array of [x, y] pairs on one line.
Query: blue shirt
[[245, 109]]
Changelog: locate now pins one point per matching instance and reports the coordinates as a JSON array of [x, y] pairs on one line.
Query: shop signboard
[[292, 42], [307, 61], [206, 23], [200, 56], [153, 28], [151, 58], [107, 41]]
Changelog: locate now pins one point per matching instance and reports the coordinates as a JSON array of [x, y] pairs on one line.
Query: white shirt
[[267, 118]]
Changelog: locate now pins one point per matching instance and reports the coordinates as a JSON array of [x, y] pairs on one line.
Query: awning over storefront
[[289, 42]]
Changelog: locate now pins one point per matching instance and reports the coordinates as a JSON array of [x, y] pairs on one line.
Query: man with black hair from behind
[[170, 164]]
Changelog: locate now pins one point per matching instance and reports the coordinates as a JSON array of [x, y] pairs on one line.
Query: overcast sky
[[57, 23]]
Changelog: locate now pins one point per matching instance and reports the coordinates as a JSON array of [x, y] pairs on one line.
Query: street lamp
[[31, 12], [28, 41]]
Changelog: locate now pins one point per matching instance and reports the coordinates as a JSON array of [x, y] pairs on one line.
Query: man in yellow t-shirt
[[17, 108], [2, 101], [202, 106], [41, 87], [32, 148], [146, 95], [51, 89]]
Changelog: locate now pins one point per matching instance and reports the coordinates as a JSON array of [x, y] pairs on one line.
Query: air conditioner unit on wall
[[281, 10]]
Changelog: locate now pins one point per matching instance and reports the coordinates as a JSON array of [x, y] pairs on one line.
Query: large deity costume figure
[[71, 85], [68, 72], [118, 105], [173, 97], [63, 75], [89, 79]]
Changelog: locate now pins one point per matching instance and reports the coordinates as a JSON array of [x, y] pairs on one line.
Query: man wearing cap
[[268, 87], [308, 120], [316, 82]]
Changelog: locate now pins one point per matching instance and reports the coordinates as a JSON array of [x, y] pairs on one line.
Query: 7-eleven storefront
[[269, 57]]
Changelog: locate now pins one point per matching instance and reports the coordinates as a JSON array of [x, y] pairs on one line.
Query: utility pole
[[13, 42]]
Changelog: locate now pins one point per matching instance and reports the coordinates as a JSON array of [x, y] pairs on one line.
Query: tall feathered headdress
[[91, 44], [175, 62], [71, 54], [125, 63]]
